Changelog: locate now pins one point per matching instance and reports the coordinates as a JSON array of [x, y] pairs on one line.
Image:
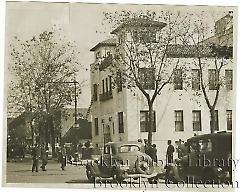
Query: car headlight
[[219, 169], [124, 167]]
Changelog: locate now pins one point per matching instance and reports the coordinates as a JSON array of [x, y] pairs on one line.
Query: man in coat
[[63, 157], [35, 157], [170, 151], [152, 150]]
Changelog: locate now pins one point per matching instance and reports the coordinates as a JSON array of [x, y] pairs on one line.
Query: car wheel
[[144, 166], [153, 180], [90, 175], [117, 176], [209, 175], [170, 176]]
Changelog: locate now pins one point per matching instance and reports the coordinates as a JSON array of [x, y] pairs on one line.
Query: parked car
[[121, 161], [208, 158]]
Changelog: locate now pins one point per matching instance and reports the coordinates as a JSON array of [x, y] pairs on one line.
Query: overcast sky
[[80, 22]]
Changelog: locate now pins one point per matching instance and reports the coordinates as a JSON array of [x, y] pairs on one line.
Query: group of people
[[41, 153], [151, 150], [181, 149]]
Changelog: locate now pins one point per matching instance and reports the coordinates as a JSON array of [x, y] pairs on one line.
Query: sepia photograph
[[119, 96]]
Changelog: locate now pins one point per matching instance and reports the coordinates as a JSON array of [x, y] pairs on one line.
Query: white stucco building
[[120, 115]]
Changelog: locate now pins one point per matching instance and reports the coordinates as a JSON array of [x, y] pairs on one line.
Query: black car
[[121, 161], [208, 158]]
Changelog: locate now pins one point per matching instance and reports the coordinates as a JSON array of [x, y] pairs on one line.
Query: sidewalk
[[20, 172]]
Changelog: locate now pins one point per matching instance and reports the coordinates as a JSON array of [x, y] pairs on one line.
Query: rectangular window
[[96, 126], [108, 53], [229, 119], [113, 129], [95, 92], [98, 55], [179, 120], [213, 79], [216, 120], [144, 121], [119, 81], [120, 122], [178, 81], [147, 78], [110, 83], [103, 86], [229, 79], [195, 79], [106, 84], [196, 115], [135, 36], [121, 39]]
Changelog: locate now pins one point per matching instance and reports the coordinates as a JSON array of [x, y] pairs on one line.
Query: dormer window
[[144, 36], [98, 55], [108, 53], [121, 39]]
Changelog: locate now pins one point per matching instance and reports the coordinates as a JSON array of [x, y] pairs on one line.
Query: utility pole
[[75, 102]]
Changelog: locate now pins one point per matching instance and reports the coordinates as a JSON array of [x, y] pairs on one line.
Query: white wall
[[164, 105]]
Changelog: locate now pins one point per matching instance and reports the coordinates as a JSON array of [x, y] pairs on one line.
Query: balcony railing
[[105, 96]]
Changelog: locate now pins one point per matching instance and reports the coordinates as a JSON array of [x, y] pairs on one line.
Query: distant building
[[68, 118], [82, 134], [69, 132], [120, 115], [19, 135], [19, 128]]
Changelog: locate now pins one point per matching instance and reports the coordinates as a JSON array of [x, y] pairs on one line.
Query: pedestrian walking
[[170, 151], [44, 157], [63, 157], [35, 157]]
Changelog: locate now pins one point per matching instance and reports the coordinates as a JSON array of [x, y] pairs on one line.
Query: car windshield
[[205, 145], [201, 146], [128, 148]]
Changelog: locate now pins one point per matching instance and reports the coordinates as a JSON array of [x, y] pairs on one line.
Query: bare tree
[[141, 61], [41, 66], [207, 44]]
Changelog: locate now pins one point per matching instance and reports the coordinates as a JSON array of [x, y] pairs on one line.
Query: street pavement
[[74, 176], [20, 172]]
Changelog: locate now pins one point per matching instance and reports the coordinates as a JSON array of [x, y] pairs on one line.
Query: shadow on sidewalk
[[20, 171], [78, 181]]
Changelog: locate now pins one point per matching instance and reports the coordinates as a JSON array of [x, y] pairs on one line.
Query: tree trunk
[[52, 135], [150, 123], [32, 132], [212, 120]]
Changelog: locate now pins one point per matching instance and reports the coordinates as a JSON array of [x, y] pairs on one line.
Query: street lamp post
[[75, 102]]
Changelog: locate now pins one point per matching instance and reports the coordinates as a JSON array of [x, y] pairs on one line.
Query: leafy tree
[[141, 62], [42, 66]]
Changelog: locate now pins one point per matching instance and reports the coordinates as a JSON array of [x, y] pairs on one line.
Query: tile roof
[[108, 42], [188, 51]]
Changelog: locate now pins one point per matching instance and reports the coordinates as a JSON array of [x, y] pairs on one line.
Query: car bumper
[[137, 175]]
